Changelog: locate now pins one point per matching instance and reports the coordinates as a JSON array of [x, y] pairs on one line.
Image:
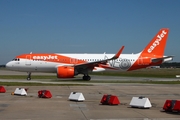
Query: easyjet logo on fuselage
[[157, 41], [48, 57]]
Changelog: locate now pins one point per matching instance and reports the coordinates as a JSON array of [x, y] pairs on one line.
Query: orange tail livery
[[153, 53], [70, 65]]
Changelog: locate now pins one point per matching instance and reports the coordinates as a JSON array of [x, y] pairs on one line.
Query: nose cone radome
[[9, 65]]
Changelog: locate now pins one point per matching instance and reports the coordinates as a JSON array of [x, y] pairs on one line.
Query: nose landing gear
[[29, 76]]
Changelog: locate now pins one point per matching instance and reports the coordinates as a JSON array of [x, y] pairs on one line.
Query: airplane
[[70, 65]]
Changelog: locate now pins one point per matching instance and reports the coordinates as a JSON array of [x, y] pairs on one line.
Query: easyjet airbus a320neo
[[70, 65]]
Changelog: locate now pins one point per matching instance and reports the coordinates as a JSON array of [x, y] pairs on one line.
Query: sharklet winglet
[[118, 53]]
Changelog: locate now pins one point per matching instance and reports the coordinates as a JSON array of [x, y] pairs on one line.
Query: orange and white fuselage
[[69, 65]]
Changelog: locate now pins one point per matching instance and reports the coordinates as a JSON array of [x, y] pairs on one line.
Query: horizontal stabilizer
[[164, 59]]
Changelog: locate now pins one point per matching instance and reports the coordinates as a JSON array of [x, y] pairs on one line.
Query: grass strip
[[25, 76], [156, 73], [142, 82], [69, 83], [38, 84]]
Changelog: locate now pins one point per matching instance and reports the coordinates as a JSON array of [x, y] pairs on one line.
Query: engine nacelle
[[65, 72]]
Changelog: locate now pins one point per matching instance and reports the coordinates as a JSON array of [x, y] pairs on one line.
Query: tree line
[[170, 65]]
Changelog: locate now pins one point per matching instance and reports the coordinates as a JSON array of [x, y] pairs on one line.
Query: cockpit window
[[16, 59]]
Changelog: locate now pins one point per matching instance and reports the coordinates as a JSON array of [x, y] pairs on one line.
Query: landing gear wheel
[[86, 77], [29, 76]]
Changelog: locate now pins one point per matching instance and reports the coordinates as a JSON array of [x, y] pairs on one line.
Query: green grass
[[89, 83], [38, 84], [142, 82], [157, 73], [25, 76]]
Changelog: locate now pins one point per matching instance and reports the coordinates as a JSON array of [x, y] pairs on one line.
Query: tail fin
[[157, 45]]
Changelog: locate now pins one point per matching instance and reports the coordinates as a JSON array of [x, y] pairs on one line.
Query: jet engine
[[65, 72]]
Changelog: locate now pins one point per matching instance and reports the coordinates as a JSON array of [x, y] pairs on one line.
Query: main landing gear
[[29, 76], [86, 77]]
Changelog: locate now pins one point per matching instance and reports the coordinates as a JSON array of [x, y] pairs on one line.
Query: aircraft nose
[[8, 65]]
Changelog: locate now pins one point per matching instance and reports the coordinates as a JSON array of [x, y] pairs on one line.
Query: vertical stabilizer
[[157, 45], [153, 53]]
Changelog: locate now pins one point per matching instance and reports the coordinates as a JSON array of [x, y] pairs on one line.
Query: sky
[[86, 26]]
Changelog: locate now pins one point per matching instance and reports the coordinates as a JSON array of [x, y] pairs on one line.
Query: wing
[[91, 65]]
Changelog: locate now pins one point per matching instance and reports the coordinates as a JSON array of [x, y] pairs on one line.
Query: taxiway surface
[[31, 107]]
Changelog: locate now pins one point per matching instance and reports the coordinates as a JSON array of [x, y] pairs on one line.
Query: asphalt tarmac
[[31, 107]]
